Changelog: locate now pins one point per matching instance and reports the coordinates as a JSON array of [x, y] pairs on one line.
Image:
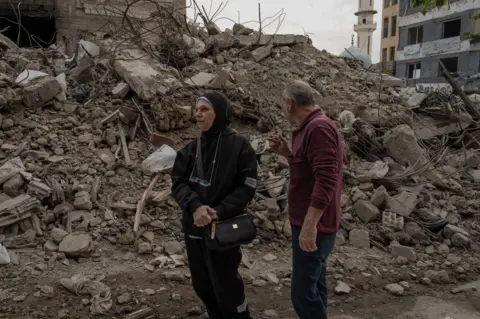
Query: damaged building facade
[[438, 35], [44, 22]]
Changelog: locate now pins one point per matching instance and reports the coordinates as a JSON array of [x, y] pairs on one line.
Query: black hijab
[[223, 112]]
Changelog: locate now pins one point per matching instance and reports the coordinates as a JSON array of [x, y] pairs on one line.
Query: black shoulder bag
[[229, 233]]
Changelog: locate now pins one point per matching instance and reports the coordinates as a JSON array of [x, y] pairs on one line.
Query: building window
[[392, 53], [413, 70], [394, 2], [385, 27], [364, 21], [386, 3], [384, 55], [452, 28], [415, 35], [451, 64], [394, 26]]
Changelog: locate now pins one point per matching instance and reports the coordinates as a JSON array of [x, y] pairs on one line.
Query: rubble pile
[[82, 162]]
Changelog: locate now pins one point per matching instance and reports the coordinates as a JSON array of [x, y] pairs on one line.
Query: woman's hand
[[279, 145], [203, 216]]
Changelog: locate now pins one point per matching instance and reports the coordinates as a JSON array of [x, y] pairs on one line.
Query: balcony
[[365, 27], [366, 9]]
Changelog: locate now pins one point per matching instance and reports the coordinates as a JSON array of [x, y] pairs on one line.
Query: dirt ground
[[124, 272]]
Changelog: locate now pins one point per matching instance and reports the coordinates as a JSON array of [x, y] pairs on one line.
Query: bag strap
[[200, 171]]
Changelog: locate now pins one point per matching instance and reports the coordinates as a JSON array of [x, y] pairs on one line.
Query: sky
[[329, 23]]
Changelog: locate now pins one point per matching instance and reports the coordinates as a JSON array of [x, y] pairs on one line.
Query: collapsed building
[[88, 132]]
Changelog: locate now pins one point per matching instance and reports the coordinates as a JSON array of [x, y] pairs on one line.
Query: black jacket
[[233, 177]]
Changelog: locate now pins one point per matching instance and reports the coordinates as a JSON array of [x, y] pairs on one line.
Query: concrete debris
[[366, 211], [359, 238], [394, 289], [80, 141], [398, 250], [80, 245]]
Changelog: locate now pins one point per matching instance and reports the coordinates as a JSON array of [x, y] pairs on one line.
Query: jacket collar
[[309, 118]]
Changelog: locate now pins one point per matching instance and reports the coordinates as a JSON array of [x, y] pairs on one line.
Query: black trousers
[[216, 280]]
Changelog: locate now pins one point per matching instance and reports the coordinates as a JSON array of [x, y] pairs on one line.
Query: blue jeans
[[309, 281]]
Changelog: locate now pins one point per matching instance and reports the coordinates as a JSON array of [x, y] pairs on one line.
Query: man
[[314, 193]]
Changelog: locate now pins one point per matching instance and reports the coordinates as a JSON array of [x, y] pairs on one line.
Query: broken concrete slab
[[359, 238], [10, 169], [366, 211], [19, 208], [402, 204], [201, 79], [416, 99], [146, 76], [384, 80], [262, 53], [76, 245], [41, 91], [121, 90]]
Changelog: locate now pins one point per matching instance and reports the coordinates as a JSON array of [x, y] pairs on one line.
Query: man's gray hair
[[300, 93]]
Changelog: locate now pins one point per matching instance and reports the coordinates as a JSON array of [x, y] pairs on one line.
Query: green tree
[[427, 4]]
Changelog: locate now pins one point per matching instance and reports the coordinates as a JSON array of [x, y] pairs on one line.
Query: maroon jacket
[[316, 172]]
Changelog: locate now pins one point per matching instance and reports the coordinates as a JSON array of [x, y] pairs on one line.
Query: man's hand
[[279, 145], [202, 217], [308, 238]]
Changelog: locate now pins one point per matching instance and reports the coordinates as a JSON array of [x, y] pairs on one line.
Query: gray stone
[[121, 90], [379, 196], [124, 298], [269, 257], [173, 248], [201, 79], [82, 201], [403, 251], [450, 230], [438, 277], [13, 185], [174, 275], [50, 246], [342, 288], [78, 245], [262, 53], [272, 278], [366, 211], [395, 289], [460, 240], [416, 99], [41, 91], [402, 204], [58, 235], [359, 238], [144, 248], [270, 313]]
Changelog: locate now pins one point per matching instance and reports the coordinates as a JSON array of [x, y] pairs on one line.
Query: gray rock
[[82, 201], [144, 248], [79, 245], [50, 246], [124, 298], [366, 211], [395, 289], [402, 204], [58, 235], [270, 313], [262, 53], [403, 251], [359, 238], [460, 240], [174, 275], [13, 185], [121, 90], [379, 197], [438, 277], [342, 288], [450, 230], [269, 257], [173, 248]]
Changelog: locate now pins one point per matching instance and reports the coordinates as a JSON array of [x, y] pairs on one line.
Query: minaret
[[365, 25]]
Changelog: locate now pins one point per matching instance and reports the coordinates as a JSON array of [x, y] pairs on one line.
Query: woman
[[215, 181]]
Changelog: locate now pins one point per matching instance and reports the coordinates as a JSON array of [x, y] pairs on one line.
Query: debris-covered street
[[87, 224]]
